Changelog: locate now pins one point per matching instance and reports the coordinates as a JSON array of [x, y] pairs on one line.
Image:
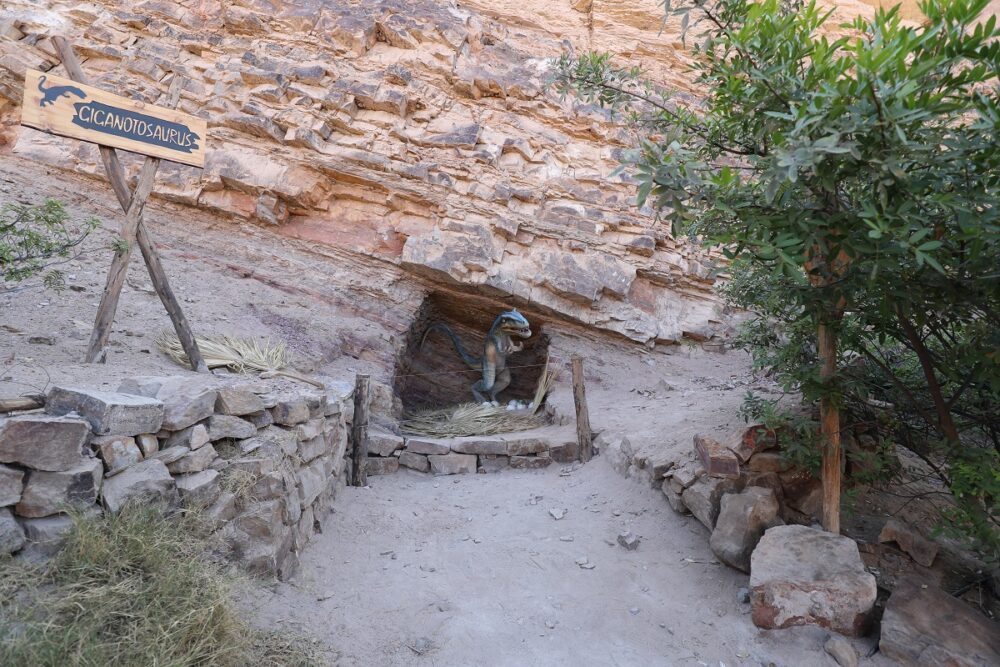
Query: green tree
[[856, 174], [34, 239]]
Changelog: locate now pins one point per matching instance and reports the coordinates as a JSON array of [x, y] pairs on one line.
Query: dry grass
[[132, 590], [241, 355], [481, 419]]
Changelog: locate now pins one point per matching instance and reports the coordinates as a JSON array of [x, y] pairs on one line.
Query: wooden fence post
[[583, 433], [359, 433]]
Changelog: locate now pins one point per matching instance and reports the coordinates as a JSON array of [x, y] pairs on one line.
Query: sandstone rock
[[716, 459], [743, 518], [42, 442], [171, 454], [186, 400], [148, 444], [383, 443], [313, 479], [191, 437], [194, 461], [805, 576], [479, 445], [841, 650], [237, 401], [675, 499], [413, 461], [566, 451], [522, 446], [227, 426], [378, 465], [290, 411], [530, 462], [489, 463], [452, 464], [260, 419], [116, 451], [923, 626], [618, 452], [198, 490], [46, 535], [909, 541], [704, 496], [750, 440], [629, 540], [272, 441], [107, 412], [271, 487], [11, 534], [11, 484], [47, 493], [427, 446], [221, 511], [686, 475], [310, 449], [310, 429], [146, 482]]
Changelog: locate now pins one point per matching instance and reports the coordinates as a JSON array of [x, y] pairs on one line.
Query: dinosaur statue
[[498, 345]]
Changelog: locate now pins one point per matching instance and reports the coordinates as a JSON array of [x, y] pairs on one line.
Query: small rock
[[629, 540], [11, 534], [557, 513], [42, 340], [909, 541], [633, 610], [565, 538], [743, 595], [842, 651], [116, 451]]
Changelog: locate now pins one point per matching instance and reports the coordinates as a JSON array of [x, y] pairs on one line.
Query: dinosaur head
[[513, 323]]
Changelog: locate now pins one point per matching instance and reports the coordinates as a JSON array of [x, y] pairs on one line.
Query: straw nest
[[240, 355], [480, 419]]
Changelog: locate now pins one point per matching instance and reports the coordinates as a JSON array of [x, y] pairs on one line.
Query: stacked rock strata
[[261, 464]]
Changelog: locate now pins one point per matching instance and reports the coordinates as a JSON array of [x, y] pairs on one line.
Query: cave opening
[[432, 375]]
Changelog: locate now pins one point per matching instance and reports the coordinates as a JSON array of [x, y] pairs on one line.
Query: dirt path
[[455, 571]]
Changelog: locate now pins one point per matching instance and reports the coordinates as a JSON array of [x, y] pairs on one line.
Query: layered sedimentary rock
[[417, 133]]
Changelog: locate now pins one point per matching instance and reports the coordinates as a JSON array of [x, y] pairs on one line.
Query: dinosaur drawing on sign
[[53, 93], [499, 344]]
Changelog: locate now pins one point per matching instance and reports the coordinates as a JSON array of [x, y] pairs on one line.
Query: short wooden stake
[[359, 433], [132, 204], [583, 433]]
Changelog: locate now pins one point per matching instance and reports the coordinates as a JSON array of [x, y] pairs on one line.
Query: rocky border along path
[[476, 569]]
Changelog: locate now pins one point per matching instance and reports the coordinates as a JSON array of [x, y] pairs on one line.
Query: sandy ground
[[417, 570]]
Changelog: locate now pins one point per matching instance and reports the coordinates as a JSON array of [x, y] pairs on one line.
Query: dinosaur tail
[[473, 362]]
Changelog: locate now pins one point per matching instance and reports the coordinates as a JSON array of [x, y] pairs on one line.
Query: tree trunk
[[829, 415]]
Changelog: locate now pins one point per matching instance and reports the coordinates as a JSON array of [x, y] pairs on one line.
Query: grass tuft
[[132, 589]]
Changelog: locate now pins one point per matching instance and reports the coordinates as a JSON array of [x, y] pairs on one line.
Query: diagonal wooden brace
[[133, 229]]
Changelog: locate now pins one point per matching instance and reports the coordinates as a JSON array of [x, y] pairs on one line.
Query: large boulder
[[148, 481], [43, 442], [47, 493], [743, 518], [925, 627], [807, 576], [108, 412]]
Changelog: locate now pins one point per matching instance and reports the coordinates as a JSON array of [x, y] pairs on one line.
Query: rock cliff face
[[417, 133]]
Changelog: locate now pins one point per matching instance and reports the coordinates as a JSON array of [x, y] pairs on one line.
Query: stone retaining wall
[[533, 449], [262, 461]]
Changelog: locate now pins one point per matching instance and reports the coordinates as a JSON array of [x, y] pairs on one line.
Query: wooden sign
[[64, 107]]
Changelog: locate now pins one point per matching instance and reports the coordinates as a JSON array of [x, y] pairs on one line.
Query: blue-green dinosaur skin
[[497, 346]]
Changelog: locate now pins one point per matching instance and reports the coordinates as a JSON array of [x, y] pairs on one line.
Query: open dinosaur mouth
[[523, 332]]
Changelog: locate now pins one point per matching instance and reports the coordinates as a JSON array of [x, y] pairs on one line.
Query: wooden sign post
[[71, 108]]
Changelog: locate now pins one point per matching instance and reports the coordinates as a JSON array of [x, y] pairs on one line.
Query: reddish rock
[[717, 460], [748, 441], [806, 576]]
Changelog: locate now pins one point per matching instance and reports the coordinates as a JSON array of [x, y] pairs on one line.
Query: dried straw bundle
[[480, 419], [241, 355]]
